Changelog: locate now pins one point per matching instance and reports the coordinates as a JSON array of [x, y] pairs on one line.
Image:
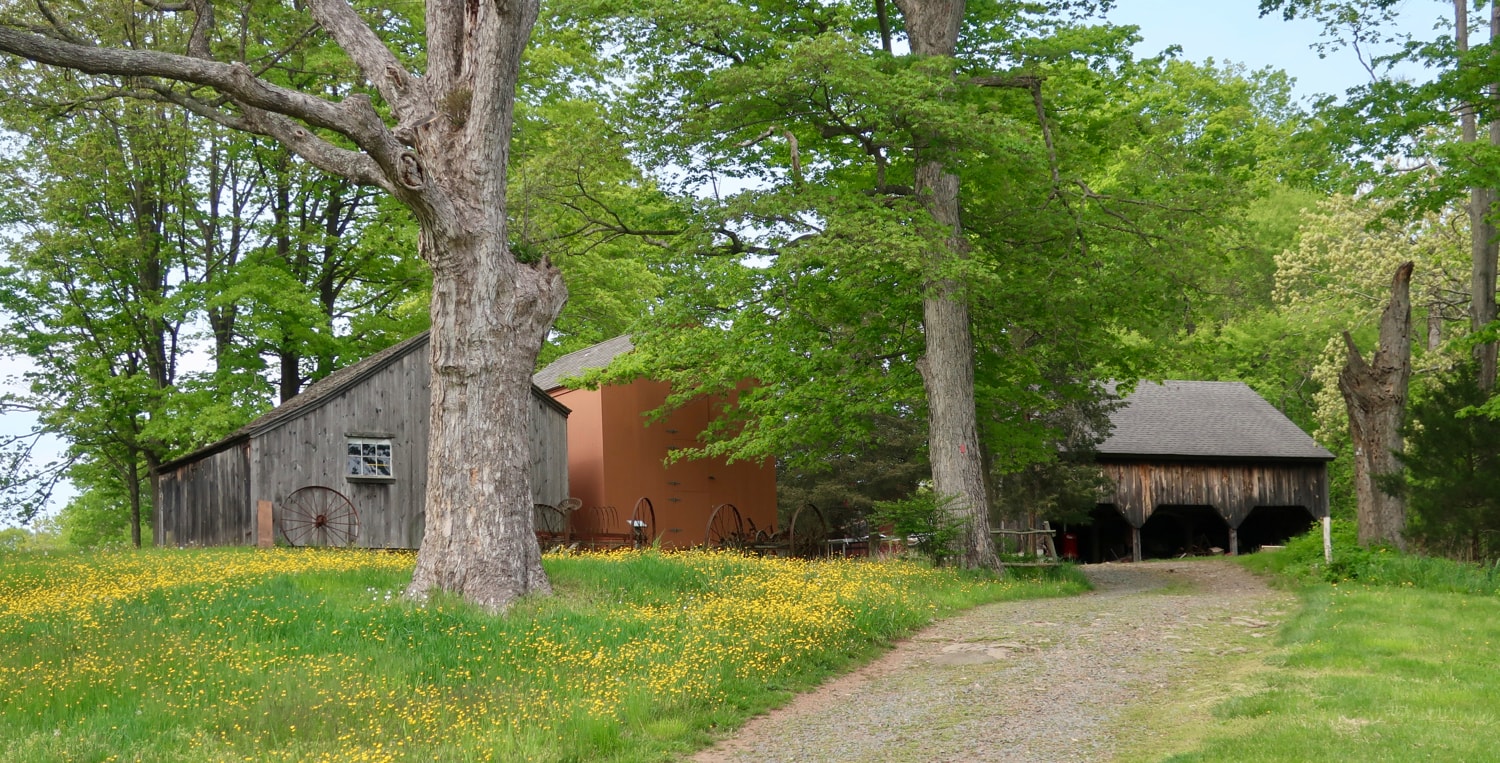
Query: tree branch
[[235, 80], [57, 24], [357, 167], [380, 67], [1017, 81]]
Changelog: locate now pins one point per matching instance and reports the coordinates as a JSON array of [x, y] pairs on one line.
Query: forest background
[[1132, 215]]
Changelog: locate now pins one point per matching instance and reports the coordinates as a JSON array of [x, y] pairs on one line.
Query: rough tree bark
[[445, 158], [1484, 248], [1375, 394], [948, 365]]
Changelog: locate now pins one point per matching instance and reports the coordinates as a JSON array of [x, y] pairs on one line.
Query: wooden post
[[1327, 539], [1135, 543], [264, 529], [1234, 542]]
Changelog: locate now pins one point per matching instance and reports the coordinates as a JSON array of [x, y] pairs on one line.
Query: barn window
[[369, 458]]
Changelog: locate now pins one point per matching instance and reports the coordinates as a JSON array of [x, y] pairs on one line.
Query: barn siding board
[[208, 498], [1233, 489], [200, 505]]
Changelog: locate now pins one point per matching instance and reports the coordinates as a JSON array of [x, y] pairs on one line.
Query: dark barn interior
[[1176, 531], [1274, 526]]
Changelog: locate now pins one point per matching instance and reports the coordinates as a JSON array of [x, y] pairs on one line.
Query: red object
[[1070, 545]]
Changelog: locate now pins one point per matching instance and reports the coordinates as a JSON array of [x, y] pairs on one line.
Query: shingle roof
[[334, 384], [586, 359], [1193, 419]]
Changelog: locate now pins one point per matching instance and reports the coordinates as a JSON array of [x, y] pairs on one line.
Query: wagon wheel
[[644, 512], [807, 535], [318, 516], [725, 528]]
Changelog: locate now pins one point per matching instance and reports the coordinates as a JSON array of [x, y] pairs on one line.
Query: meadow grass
[[284, 654], [1391, 658]]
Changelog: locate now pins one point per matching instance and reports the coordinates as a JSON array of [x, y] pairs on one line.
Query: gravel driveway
[[1026, 681]]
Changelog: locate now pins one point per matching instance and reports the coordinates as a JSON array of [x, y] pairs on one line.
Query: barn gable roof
[[1205, 420], [580, 361], [323, 391]]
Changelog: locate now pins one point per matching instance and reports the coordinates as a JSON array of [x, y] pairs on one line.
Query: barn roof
[[1205, 420], [580, 361], [324, 390]]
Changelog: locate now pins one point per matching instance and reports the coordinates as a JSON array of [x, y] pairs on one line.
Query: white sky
[[1233, 31]]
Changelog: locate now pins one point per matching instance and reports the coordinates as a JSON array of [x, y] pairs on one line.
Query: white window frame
[[368, 467]]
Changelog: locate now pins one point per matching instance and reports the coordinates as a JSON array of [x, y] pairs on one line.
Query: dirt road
[[1030, 681]]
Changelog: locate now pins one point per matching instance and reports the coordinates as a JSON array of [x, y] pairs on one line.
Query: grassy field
[[237, 654], [1392, 658]]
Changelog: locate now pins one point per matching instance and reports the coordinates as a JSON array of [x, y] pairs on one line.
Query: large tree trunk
[[1375, 394], [490, 315], [479, 539], [947, 368]]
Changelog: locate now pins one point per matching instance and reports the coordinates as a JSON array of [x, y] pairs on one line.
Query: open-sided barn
[[1203, 465], [343, 463]]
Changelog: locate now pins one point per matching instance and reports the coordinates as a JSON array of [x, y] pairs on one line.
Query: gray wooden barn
[[1200, 465], [345, 462]]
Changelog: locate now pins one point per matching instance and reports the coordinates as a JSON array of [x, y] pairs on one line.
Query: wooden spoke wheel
[[725, 528], [643, 522], [319, 516], [807, 535]]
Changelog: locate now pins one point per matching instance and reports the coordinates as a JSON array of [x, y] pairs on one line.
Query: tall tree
[[439, 141], [93, 291], [947, 365]]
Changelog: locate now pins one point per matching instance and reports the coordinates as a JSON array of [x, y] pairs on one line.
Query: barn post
[[1234, 541], [1135, 543]]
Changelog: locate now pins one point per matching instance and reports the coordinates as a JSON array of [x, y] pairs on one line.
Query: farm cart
[[805, 536]]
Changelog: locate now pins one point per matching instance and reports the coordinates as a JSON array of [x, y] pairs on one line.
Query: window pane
[[369, 458]]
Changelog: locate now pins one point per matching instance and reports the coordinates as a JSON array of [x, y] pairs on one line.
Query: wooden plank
[[264, 533]]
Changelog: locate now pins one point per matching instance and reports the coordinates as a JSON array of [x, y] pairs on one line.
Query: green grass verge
[[238, 654], [1392, 658]]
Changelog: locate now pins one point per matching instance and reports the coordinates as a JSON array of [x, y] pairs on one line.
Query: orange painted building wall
[[615, 458], [585, 443]]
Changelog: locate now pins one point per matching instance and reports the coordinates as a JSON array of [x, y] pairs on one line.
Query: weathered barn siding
[[216, 487], [1233, 489], [549, 450], [310, 449], [208, 498]]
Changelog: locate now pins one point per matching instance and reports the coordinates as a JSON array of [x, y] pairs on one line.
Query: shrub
[[925, 520]]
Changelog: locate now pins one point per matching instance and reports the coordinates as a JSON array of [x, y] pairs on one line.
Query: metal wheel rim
[[644, 511], [807, 535], [319, 516], [725, 528]]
